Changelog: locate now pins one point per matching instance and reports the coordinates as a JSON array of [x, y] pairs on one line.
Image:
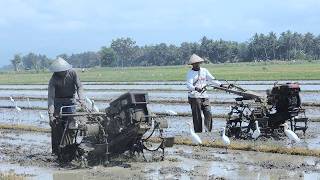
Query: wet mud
[[27, 154], [22, 150]]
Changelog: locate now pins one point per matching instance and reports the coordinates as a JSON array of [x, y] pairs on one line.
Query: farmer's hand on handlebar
[[230, 86], [224, 86], [82, 103], [227, 86], [52, 120], [198, 89]]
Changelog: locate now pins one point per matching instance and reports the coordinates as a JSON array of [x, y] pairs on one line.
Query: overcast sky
[[53, 27]]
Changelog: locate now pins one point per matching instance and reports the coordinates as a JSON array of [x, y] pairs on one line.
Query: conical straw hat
[[59, 65], [195, 59]]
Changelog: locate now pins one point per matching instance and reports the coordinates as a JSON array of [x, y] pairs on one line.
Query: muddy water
[[307, 97], [29, 152], [25, 117], [302, 82], [29, 172], [219, 109], [307, 87], [181, 162], [153, 95], [183, 82], [177, 126], [172, 87]]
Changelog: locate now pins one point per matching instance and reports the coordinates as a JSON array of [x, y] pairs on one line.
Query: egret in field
[[171, 112], [91, 103], [94, 107], [29, 104], [257, 132], [195, 138], [41, 116], [18, 109], [291, 135], [225, 139], [88, 100], [11, 99]]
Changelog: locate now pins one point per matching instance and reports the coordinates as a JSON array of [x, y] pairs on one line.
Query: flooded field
[[219, 110], [29, 154], [151, 86]]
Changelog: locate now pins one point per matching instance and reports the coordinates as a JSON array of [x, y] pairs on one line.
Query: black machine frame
[[120, 128], [281, 104]]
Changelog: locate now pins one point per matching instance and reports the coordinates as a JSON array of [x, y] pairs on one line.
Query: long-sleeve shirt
[[199, 79], [63, 88]]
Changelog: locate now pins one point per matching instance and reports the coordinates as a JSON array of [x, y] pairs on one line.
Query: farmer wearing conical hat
[[63, 87], [197, 79]]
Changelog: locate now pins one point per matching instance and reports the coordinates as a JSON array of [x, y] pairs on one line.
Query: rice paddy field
[[25, 147], [300, 70]]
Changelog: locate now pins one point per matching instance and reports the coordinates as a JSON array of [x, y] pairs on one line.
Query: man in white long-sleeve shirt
[[197, 79]]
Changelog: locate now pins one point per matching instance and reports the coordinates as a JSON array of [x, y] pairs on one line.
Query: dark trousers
[[56, 135], [58, 127], [198, 105]]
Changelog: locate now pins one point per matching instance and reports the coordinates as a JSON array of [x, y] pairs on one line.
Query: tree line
[[124, 52]]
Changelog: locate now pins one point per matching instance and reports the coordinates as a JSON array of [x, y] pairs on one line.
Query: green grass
[[301, 70]]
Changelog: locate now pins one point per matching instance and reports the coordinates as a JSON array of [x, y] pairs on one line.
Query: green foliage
[[16, 62], [261, 47], [124, 52], [107, 56], [36, 62], [274, 70], [84, 60]]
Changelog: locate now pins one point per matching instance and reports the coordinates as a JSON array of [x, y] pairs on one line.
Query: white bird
[[225, 139], [88, 100], [171, 112], [91, 103], [291, 135], [17, 108], [94, 107], [195, 138], [11, 99], [41, 116], [42, 119], [29, 104], [257, 132]]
